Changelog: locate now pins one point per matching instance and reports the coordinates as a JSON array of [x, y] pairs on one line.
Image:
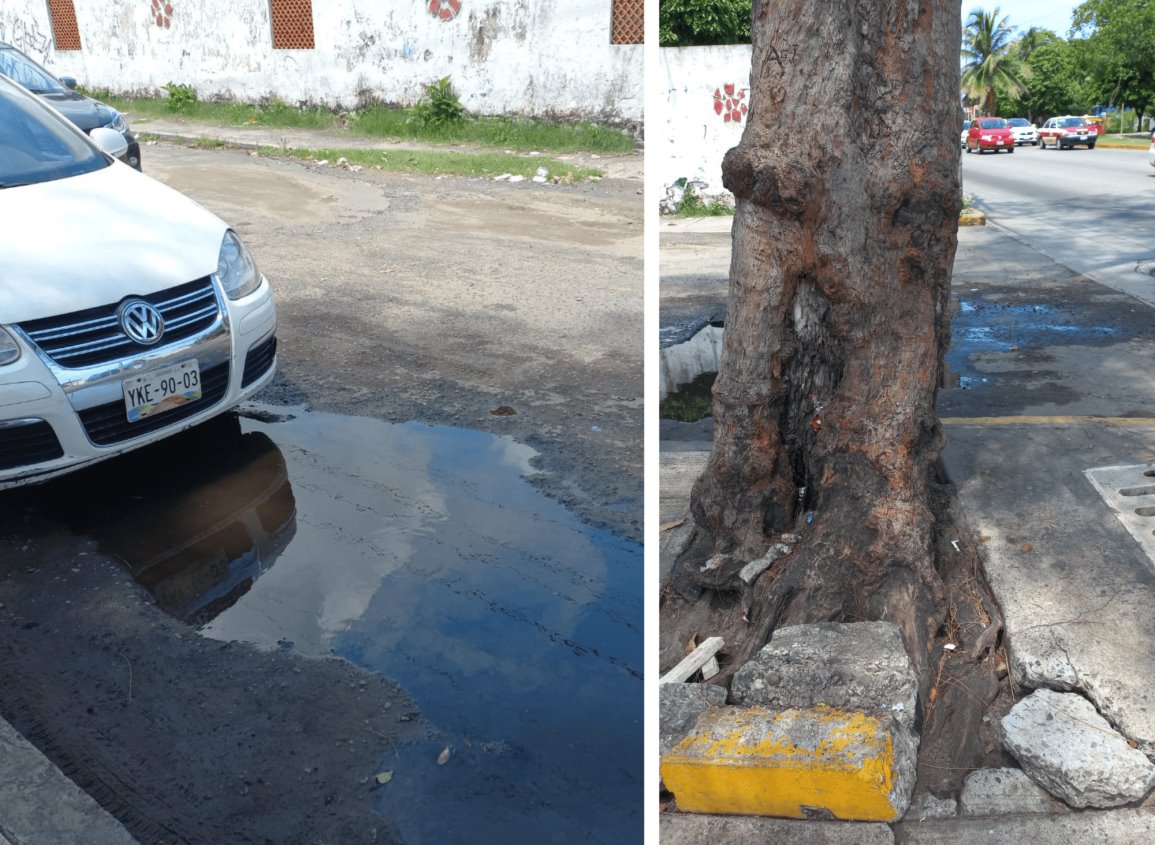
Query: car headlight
[[236, 269], [118, 123], [9, 350]]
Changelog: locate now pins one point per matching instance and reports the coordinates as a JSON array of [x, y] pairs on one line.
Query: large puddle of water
[[424, 554]]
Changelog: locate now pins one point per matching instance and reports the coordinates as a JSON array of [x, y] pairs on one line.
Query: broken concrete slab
[[1063, 743], [1000, 792], [815, 763], [852, 666], [925, 806], [1075, 588], [686, 829], [679, 706], [1091, 827]]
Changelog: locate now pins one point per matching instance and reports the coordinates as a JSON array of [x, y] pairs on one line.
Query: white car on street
[[127, 311], [1024, 131]]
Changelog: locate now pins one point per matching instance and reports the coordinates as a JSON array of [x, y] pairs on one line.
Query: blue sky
[[1054, 15]]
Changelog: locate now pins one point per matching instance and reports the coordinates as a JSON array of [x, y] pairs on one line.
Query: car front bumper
[[54, 420]]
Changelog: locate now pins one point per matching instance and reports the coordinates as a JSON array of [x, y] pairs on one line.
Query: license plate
[[162, 390]]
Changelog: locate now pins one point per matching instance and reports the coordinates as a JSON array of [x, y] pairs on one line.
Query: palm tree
[[990, 65]]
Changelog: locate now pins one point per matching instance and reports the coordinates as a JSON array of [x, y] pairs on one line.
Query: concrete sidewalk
[[1054, 381]]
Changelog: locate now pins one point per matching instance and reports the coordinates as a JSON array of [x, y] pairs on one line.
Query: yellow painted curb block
[[813, 763], [972, 217]]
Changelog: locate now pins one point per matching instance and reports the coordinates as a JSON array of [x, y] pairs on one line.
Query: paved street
[[1090, 210]]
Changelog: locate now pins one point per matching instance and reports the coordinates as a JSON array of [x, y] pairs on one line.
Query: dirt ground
[[402, 298], [445, 299]]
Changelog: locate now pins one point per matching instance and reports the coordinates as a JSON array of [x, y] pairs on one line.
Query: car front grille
[[28, 442], [258, 361], [94, 336], [108, 424]]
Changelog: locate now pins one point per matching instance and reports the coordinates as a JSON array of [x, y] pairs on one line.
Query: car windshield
[[1071, 121], [993, 123], [19, 68], [37, 145], [1018, 121]]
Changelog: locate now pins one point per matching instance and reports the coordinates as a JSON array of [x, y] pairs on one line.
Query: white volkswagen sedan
[[127, 311]]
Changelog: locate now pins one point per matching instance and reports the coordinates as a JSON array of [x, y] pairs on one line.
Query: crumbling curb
[[816, 763], [972, 217], [1065, 746], [824, 729]]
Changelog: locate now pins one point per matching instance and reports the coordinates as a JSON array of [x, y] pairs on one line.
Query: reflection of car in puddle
[[198, 532]]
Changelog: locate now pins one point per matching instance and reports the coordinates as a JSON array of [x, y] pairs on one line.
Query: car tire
[[1011, 148], [1091, 145]]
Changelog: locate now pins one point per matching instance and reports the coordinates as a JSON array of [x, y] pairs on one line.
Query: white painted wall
[[695, 134], [533, 57]]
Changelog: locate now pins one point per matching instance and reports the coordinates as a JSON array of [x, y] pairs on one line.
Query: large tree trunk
[[847, 192]]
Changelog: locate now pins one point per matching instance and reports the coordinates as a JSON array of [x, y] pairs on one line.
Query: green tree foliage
[[1054, 88], [689, 23], [989, 65], [1118, 49]]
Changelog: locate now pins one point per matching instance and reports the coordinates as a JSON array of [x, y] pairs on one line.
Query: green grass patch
[[1123, 142], [692, 402], [437, 163], [693, 206], [397, 124]]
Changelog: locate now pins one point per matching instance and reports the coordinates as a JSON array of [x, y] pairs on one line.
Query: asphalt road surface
[[1090, 210]]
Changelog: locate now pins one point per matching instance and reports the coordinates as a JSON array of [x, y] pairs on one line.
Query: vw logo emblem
[[141, 322]]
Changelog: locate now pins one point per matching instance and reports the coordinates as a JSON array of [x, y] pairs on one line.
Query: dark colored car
[[85, 112]]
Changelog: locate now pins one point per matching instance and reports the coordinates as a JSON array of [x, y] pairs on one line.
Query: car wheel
[[1039, 143], [1091, 145], [1010, 149]]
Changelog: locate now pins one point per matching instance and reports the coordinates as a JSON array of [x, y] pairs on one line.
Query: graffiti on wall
[[445, 10], [730, 103], [162, 12], [26, 36]]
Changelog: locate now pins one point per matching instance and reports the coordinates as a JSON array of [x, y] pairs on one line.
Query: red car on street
[[990, 133]]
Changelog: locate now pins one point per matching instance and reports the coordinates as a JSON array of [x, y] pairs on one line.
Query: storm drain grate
[[1130, 492]]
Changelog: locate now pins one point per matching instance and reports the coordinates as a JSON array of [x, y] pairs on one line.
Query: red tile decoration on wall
[[65, 32], [730, 103], [445, 10], [292, 24], [162, 12]]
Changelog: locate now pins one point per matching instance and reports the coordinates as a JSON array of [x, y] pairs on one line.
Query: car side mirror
[[109, 140], [69, 82]]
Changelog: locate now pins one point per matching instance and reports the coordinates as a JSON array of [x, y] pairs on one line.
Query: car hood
[[85, 112], [94, 239]]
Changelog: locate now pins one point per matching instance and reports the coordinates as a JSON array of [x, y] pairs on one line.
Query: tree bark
[[847, 190]]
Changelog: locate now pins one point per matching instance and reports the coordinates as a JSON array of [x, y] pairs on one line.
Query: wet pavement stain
[[424, 554], [984, 323]]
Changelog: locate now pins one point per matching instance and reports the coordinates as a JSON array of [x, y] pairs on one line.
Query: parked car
[[1023, 131], [989, 133], [85, 112], [127, 311], [1066, 132], [963, 137]]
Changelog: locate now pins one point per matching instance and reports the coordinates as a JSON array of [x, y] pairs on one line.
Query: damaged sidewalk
[[1050, 423]]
